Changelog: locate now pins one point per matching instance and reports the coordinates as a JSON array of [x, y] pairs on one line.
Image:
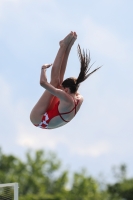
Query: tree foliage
[[40, 177], [123, 188]]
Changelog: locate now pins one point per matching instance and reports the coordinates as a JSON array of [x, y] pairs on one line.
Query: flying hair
[[84, 59], [74, 83]]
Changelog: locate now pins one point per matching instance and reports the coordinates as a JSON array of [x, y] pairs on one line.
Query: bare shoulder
[[63, 96]]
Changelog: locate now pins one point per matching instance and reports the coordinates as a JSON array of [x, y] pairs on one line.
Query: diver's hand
[[45, 66]]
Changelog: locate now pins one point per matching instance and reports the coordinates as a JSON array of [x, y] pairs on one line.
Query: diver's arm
[[55, 91]]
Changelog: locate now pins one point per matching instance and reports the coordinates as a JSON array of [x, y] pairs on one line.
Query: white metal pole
[[15, 191]]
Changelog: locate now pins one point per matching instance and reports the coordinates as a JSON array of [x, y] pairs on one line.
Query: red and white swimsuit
[[50, 114]]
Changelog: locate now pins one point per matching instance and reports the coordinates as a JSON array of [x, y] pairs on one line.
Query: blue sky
[[101, 135]]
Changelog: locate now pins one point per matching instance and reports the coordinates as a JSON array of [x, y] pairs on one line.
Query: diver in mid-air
[[61, 100]]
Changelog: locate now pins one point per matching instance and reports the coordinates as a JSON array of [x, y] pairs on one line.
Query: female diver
[[61, 101]]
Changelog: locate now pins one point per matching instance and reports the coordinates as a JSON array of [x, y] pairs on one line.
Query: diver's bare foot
[[66, 40], [75, 34], [72, 41], [74, 37]]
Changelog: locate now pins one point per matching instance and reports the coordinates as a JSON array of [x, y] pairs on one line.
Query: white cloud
[[46, 139], [33, 137], [94, 150]]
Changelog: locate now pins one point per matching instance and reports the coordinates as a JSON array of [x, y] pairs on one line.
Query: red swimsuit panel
[[50, 114]]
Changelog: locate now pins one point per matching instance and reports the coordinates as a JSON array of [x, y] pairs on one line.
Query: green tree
[[123, 188], [39, 177], [35, 175], [85, 187]]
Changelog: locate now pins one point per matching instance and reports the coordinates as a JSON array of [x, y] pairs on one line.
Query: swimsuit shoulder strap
[[76, 103]]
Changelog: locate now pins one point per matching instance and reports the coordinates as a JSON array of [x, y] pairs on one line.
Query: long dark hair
[[73, 83]]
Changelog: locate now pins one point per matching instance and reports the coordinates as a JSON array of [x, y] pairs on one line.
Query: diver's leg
[[46, 99], [57, 66], [63, 67], [65, 58], [55, 72]]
